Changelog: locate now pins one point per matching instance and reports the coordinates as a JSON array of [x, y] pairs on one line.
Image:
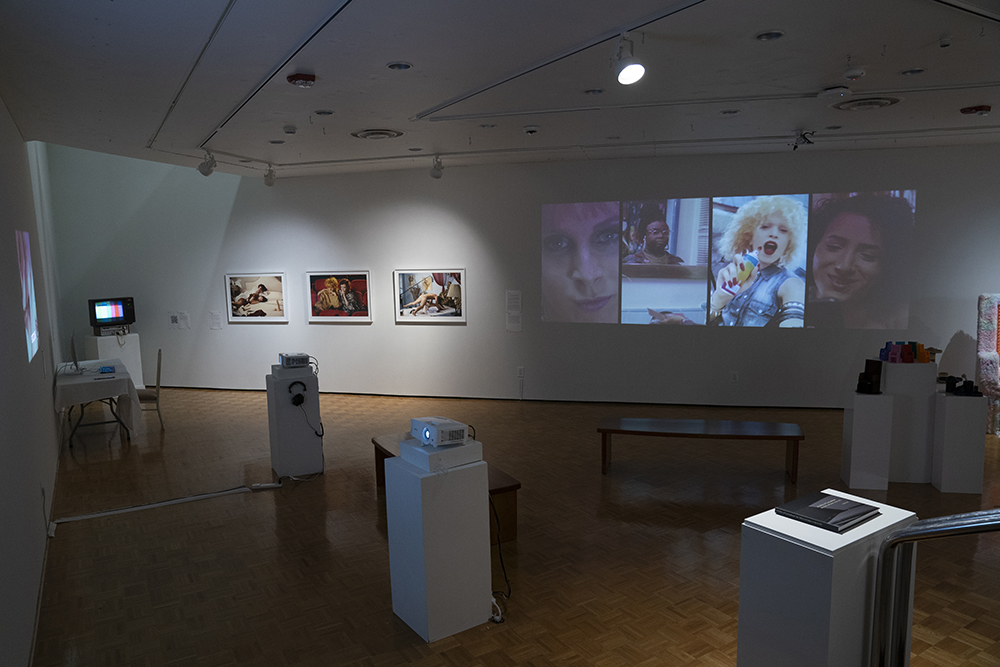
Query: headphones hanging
[[297, 399]]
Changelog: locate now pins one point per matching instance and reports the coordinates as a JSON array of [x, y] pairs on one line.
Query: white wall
[[28, 441], [166, 235]]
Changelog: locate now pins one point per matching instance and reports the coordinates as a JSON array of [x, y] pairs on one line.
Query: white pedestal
[[959, 443], [296, 449], [439, 546], [806, 593], [124, 347], [913, 386], [867, 439]]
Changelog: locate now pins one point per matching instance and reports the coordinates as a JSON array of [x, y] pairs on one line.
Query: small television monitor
[[111, 312]]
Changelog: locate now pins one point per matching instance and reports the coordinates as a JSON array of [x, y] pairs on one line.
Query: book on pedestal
[[828, 511]]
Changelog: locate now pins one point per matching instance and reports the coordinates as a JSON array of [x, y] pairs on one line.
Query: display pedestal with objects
[[439, 543], [124, 347], [913, 387], [959, 443], [807, 594], [294, 422], [910, 390]]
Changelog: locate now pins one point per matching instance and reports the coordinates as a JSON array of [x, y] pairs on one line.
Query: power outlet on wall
[[734, 377], [520, 371]]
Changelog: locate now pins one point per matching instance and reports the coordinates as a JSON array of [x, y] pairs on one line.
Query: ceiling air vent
[[377, 134], [866, 103]]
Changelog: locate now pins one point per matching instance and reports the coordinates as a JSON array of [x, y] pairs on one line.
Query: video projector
[[438, 431]]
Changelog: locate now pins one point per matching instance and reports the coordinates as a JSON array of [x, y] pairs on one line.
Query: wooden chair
[[153, 395]]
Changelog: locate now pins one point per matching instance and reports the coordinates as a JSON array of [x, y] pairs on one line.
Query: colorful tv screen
[[818, 260]]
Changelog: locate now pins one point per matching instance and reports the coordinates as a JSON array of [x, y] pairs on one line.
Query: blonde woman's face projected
[[772, 237]]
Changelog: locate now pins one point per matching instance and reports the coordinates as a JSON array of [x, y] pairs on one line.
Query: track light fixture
[[628, 69], [437, 169], [269, 176], [207, 165], [802, 139]]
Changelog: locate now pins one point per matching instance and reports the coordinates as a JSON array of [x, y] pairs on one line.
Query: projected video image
[[860, 260], [829, 260], [758, 261], [665, 263], [27, 292], [580, 257]]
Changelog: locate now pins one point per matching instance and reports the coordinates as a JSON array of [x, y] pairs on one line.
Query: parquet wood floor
[[636, 568]]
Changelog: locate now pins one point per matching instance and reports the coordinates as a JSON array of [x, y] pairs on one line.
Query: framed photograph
[[430, 297], [256, 297], [339, 297]]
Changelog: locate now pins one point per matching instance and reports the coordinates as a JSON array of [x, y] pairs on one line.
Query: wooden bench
[[503, 487], [703, 428]]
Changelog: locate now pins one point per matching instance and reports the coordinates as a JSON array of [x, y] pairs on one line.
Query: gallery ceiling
[[167, 81]]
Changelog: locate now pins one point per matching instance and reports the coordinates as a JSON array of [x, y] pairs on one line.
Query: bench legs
[[605, 452], [380, 457], [792, 460]]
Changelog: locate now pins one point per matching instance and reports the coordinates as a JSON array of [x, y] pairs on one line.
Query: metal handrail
[[893, 584]]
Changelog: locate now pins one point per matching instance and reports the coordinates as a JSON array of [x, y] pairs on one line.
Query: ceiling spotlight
[[270, 178], [207, 165], [437, 169], [802, 139], [628, 69]]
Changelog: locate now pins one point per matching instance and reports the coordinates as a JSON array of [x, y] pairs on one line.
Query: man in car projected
[[580, 254], [757, 287], [859, 273], [655, 236]]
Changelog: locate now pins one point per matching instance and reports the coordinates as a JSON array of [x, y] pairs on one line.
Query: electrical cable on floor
[[503, 568], [174, 501]]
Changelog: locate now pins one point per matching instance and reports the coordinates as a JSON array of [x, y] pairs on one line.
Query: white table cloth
[[90, 385]]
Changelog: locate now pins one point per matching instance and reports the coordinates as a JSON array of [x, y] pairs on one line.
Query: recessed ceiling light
[[377, 134], [323, 112], [980, 110], [593, 91], [488, 126], [867, 103], [913, 72], [834, 127], [416, 150], [276, 141], [769, 35], [302, 80], [289, 129], [834, 93], [399, 66], [729, 112]]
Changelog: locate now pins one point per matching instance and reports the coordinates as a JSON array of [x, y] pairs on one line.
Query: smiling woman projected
[[858, 250], [758, 286], [580, 251]]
